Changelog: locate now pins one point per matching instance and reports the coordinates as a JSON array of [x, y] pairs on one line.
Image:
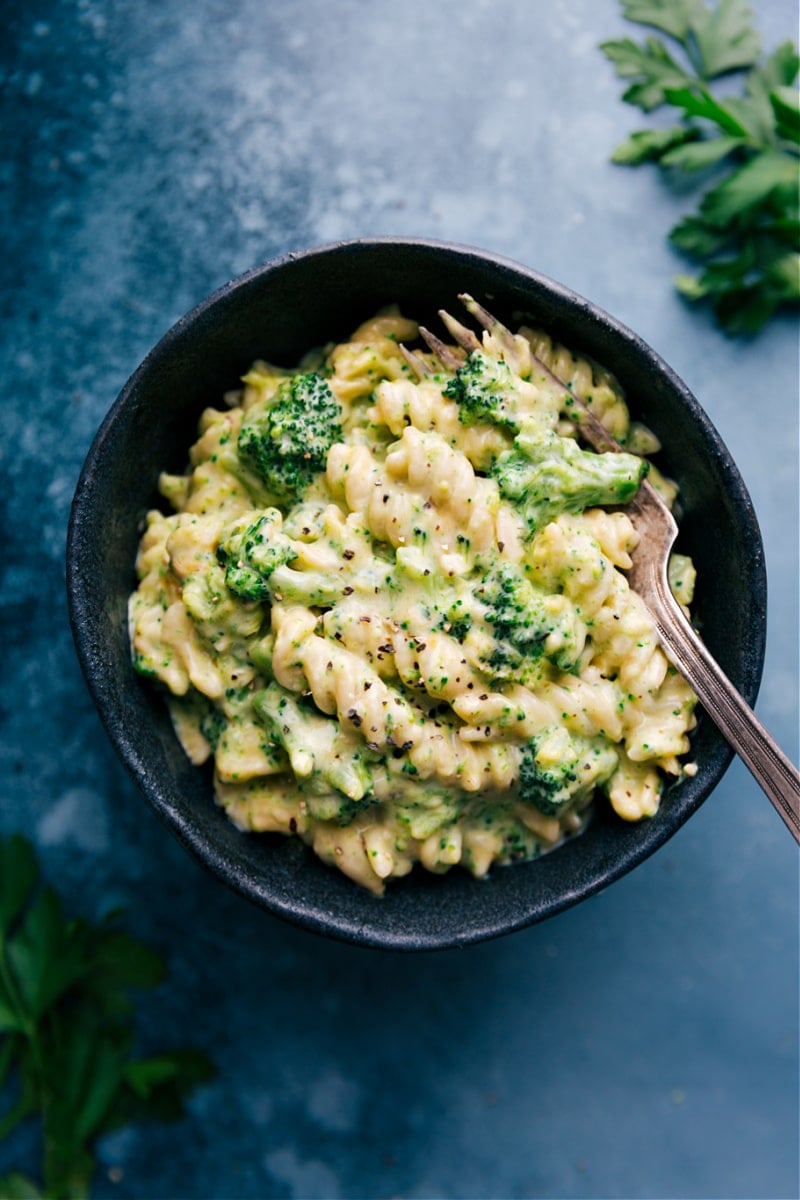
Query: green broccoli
[[557, 765], [331, 765], [547, 475], [522, 620], [544, 474], [212, 726], [485, 390], [256, 557], [251, 551], [286, 438]]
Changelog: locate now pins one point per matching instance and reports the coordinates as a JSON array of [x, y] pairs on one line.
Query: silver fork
[[657, 529]]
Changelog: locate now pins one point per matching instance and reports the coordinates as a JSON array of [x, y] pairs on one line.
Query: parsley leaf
[[652, 68], [652, 145], [66, 1030], [725, 38], [670, 18], [743, 148]]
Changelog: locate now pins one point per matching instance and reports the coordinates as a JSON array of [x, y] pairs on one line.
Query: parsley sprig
[[66, 1030], [743, 147]]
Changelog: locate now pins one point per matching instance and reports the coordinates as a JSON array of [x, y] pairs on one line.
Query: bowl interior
[[278, 312]]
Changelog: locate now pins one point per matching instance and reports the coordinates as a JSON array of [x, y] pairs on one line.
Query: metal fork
[[657, 529]]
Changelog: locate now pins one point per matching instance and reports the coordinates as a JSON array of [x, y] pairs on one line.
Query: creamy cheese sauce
[[388, 653]]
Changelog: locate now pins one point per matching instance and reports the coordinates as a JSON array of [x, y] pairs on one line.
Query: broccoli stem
[[546, 475]]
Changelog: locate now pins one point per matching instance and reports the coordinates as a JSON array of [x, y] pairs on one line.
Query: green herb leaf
[[651, 65], [717, 40], [784, 273], [651, 145], [19, 1187], [120, 961], [725, 37], [670, 16], [45, 954], [66, 1010], [24, 1106], [745, 233], [18, 875], [697, 238], [785, 103], [173, 1075], [11, 1020], [698, 102], [89, 1065], [700, 155], [750, 187], [157, 1087], [754, 108]]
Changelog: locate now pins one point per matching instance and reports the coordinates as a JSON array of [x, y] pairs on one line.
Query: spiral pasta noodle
[[413, 657]]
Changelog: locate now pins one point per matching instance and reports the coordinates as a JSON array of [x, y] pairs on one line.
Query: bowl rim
[[88, 637]]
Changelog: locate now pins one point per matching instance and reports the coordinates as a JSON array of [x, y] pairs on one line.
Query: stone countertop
[[643, 1044]]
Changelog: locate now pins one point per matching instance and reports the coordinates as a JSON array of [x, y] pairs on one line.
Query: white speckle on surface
[[78, 818], [200, 180], [351, 200], [301, 1178], [489, 133], [516, 89], [251, 217], [347, 173], [334, 1102], [330, 225], [33, 84], [462, 209], [59, 489]]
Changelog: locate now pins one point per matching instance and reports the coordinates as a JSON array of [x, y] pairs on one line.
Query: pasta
[[390, 606]]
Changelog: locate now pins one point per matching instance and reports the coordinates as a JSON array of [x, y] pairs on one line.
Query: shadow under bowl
[[277, 312]]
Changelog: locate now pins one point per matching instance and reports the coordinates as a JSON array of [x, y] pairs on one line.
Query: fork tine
[[490, 323], [447, 356], [591, 428], [415, 362], [465, 338]]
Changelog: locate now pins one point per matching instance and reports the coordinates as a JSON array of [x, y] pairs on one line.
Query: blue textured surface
[[641, 1045]]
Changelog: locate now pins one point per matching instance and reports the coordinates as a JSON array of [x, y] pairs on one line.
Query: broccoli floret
[[457, 627], [256, 557], [251, 552], [526, 624], [330, 765], [212, 726], [557, 766], [544, 474], [286, 438], [547, 475], [514, 607], [485, 390]]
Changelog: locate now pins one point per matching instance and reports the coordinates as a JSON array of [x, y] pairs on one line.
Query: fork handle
[[729, 711]]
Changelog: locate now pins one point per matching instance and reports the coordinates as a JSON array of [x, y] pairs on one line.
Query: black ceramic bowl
[[277, 312]]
